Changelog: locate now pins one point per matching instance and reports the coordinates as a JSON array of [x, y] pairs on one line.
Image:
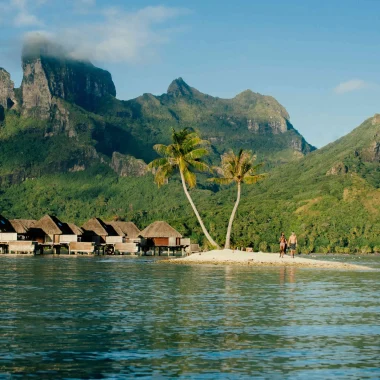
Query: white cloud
[[351, 85], [23, 16], [120, 36], [26, 19]]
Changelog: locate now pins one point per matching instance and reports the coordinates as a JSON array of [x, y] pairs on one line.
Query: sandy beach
[[228, 256]]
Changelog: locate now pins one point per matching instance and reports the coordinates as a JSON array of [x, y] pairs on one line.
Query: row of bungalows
[[113, 236]]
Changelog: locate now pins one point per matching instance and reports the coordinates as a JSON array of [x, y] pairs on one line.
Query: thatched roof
[[76, 230], [129, 229], [98, 227], [51, 225], [22, 226], [160, 229], [5, 225], [116, 227]]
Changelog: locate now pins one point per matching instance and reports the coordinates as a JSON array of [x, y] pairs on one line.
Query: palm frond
[[251, 179], [162, 174], [161, 149], [157, 163], [190, 178], [199, 166], [196, 154], [221, 181]]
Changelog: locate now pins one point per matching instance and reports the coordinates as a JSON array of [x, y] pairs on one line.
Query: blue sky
[[319, 59]]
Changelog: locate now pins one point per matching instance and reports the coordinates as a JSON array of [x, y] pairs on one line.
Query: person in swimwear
[[292, 244], [283, 243]]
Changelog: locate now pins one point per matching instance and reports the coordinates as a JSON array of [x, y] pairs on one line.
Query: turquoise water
[[120, 317]]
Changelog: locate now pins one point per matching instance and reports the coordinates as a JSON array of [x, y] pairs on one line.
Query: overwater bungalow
[[22, 227], [99, 232], [50, 230], [161, 235], [76, 230], [129, 230], [7, 233]]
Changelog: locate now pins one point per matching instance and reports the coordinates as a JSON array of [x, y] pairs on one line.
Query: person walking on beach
[[292, 244], [283, 243]]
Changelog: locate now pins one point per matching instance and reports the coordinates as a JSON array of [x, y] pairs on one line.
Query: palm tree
[[238, 168], [184, 155]]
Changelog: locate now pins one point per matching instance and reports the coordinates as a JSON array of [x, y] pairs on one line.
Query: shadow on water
[[104, 317]]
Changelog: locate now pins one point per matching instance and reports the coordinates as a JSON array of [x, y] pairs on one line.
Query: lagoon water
[[121, 317]]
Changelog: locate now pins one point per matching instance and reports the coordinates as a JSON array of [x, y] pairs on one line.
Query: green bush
[[263, 246], [365, 249]]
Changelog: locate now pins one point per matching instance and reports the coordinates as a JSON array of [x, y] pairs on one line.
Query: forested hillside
[[69, 147]]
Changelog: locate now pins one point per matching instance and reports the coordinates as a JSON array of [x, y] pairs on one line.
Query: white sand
[[228, 256]]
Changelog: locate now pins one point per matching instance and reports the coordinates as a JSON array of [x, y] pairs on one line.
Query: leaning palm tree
[[184, 155], [238, 168]]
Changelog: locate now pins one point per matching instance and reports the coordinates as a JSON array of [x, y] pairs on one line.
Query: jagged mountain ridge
[[70, 105], [251, 120]]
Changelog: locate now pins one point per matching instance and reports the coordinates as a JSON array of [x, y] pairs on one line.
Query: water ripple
[[116, 318]]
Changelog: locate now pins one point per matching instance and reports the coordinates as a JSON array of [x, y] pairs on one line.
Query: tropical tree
[[237, 168], [185, 155]]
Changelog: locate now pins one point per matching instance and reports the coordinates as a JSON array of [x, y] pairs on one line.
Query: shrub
[[323, 249], [274, 248], [365, 249], [263, 246]]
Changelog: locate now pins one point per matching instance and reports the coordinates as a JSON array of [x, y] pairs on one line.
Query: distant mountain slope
[[249, 120], [330, 198]]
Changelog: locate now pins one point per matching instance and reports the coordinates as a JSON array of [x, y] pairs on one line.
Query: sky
[[319, 59]]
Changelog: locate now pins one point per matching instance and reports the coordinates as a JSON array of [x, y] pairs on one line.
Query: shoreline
[[235, 257]]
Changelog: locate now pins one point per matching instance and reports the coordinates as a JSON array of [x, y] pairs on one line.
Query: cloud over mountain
[[113, 35]]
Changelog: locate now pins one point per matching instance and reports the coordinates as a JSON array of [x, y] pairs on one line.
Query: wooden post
[[41, 249]]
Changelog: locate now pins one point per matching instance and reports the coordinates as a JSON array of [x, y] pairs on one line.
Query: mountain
[[69, 147], [65, 117], [249, 120], [331, 197]]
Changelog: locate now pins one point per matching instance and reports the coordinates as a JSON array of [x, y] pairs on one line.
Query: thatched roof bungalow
[[97, 231], [7, 232], [49, 229], [22, 227], [161, 234], [127, 229], [76, 230]]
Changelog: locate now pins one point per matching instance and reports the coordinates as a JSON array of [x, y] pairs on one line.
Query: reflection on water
[[96, 317]]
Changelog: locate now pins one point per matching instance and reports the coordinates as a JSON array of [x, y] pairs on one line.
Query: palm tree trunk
[[209, 238], [232, 217]]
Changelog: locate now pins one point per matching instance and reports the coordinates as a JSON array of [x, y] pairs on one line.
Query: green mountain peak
[[180, 88]]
